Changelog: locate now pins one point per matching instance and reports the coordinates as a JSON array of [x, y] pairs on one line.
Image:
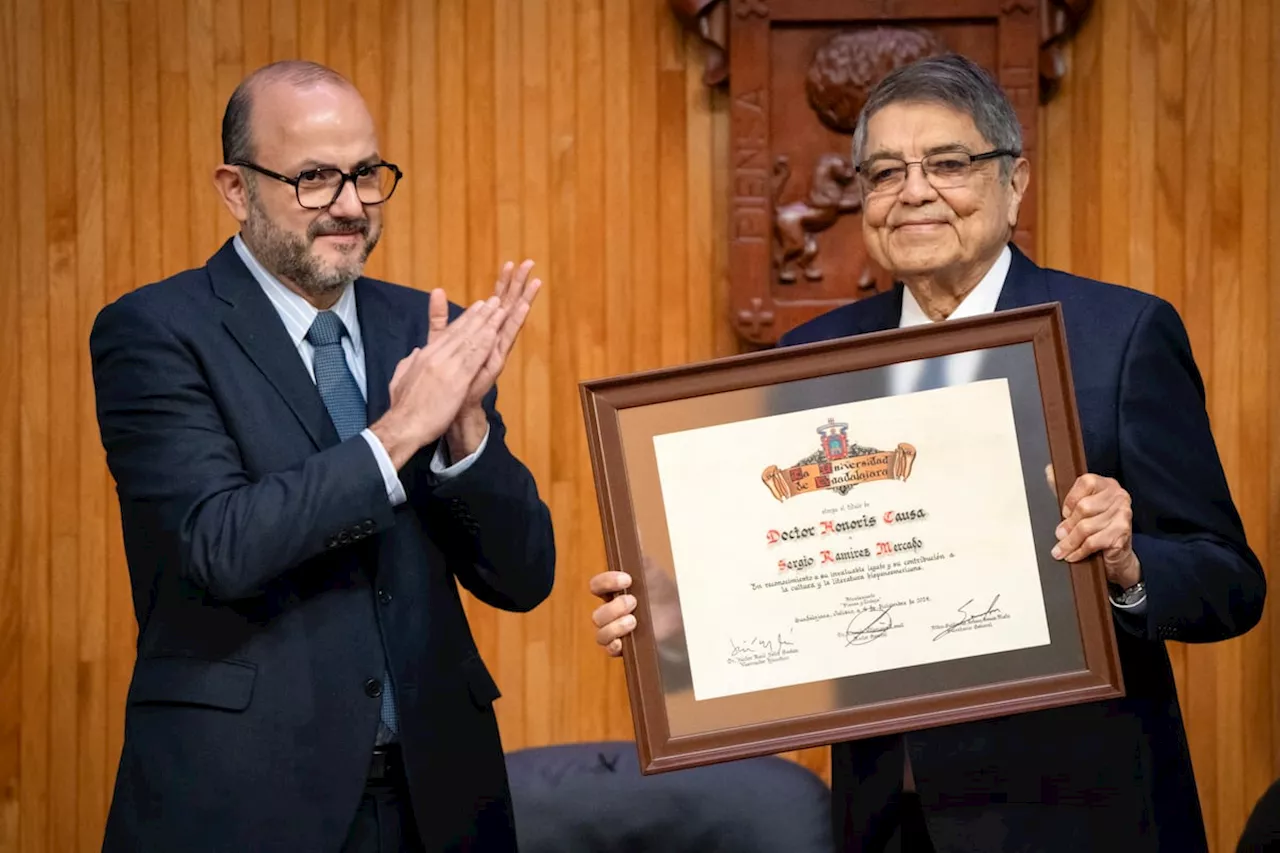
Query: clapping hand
[[432, 383], [514, 294]]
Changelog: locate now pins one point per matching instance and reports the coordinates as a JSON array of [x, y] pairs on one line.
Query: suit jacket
[[272, 577], [1261, 832], [1105, 775]]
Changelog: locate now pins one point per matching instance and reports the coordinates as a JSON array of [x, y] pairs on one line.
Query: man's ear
[[1018, 182], [231, 185]]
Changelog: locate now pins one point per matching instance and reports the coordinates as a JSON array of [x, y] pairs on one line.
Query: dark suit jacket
[[1109, 775], [1262, 830], [270, 572]]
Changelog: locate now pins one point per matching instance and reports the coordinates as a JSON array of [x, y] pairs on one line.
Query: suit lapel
[[1024, 285], [385, 333], [878, 314], [252, 320]]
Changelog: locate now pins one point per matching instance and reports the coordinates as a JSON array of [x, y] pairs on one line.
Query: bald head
[[306, 127], [297, 74]]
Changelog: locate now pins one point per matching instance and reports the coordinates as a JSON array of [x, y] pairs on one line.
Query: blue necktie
[[933, 374], [346, 407]]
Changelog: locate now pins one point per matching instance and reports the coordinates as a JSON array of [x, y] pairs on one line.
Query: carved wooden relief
[[798, 73]]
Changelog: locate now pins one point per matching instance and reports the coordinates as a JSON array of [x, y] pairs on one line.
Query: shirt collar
[[297, 313], [981, 300]]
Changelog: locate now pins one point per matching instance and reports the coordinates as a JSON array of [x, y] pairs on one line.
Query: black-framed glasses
[[319, 188], [944, 169]]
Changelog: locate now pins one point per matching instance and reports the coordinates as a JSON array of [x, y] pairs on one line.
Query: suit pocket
[[484, 690], [224, 684]]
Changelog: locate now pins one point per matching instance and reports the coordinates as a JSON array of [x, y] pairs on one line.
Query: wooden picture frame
[[1024, 352]]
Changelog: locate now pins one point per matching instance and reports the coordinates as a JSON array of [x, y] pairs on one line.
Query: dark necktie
[[933, 374], [346, 407]]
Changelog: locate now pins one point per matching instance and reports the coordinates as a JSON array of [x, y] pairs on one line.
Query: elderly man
[[308, 463], [938, 153]]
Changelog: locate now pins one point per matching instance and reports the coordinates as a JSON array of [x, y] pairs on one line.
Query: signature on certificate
[[758, 650], [970, 618], [868, 626]]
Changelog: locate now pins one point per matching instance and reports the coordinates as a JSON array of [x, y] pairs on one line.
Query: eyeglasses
[[319, 188], [944, 170]]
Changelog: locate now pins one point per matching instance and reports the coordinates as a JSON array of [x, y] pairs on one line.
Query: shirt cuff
[[1138, 608], [448, 472], [395, 489]]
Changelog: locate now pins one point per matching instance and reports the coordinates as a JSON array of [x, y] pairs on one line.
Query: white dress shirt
[[298, 314], [961, 368]]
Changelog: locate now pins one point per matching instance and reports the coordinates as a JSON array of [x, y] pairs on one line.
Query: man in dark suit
[[308, 462], [938, 154]]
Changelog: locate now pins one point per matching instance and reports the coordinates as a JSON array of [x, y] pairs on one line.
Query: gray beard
[[288, 256]]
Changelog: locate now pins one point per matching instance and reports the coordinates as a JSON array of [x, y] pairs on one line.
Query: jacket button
[[384, 597], [373, 688], [368, 525]]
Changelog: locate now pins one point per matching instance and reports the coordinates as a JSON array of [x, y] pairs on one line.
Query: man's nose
[[347, 204], [916, 188]]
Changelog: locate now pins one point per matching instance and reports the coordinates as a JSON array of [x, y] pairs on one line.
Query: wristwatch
[[1128, 597]]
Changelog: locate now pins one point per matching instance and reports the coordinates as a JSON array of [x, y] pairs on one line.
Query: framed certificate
[[849, 538]]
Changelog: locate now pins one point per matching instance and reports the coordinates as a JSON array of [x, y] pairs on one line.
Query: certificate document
[[851, 539]]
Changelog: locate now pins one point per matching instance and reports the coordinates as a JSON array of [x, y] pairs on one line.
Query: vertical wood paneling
[[451, 125], [283, 29], [1270, 391], [62, 459], [1140, 53], [397, 90], [565, 490], [11, 547], [176, 196], [540, 660], [1087, 162], [203, 113], [619, 172], [313, 29], [91, 526], [672, 188], [1107, 103], [587, 305], [578, 133], [1056, 170], [33, 432], [698, 140], [144, 78], [1254, 341], [422, 188], [646, 298], [255, 18]]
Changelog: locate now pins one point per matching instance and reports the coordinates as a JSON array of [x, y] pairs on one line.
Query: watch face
[[1131, 595]]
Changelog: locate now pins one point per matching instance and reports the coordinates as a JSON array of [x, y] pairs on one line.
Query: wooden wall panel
[[578, 133]]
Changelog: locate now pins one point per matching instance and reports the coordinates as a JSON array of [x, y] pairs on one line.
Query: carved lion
[[795, 225]]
